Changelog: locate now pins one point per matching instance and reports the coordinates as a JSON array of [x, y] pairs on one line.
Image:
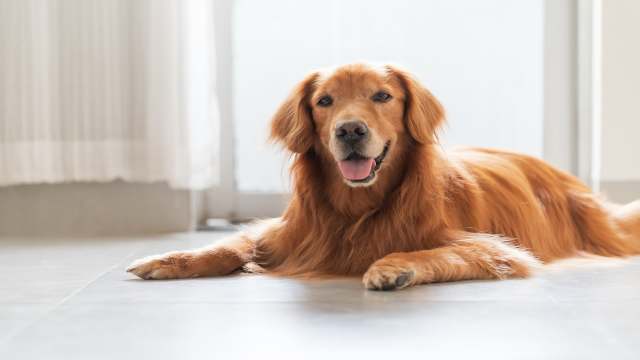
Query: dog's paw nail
[[402, 279], [388, 286], [385, 277], [144, 268]]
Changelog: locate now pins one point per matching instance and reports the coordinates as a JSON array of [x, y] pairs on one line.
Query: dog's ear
[[422, 111], [292, 125]]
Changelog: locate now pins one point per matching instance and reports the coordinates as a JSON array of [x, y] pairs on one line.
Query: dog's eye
[[381, 96], [325, 101]]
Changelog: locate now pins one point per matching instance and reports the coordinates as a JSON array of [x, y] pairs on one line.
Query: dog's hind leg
[[470, 256], [219, 259]]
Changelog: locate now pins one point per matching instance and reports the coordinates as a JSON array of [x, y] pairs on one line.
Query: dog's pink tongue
[[356, 169]]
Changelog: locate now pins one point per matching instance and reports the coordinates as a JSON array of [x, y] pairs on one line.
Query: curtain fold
[[94, 90]]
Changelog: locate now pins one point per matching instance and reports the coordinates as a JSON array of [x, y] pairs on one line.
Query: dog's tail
[[628, 219], [605, 228]]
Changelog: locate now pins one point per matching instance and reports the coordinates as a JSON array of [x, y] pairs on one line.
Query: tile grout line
[[12, 334]]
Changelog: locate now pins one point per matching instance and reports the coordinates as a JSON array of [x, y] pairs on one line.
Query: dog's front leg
[[219, 259], [469, 256]]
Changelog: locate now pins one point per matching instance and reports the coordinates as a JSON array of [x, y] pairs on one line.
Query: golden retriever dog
[[375, 195]]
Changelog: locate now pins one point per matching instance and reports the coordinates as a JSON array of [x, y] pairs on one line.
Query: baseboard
[[621, 191], [260, 205], [88, 209]]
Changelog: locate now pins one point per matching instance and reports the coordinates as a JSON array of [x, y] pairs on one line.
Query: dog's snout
[[352, 131]]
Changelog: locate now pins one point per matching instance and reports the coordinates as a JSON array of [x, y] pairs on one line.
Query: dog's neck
[[328, 222]]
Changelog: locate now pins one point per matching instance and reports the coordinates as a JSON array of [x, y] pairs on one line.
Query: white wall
[[620, 91], [483, 59]]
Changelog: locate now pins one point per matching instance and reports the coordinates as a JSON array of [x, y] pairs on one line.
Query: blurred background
[[128, 117]]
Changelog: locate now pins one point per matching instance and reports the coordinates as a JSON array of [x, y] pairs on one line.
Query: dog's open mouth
[[361, 169]]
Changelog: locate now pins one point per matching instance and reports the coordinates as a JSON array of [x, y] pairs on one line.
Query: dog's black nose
[[352, 132]]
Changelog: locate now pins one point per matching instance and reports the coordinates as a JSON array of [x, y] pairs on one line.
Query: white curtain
[[97, 90]]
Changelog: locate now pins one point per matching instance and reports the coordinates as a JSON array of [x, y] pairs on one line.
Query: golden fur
[[427, 215]]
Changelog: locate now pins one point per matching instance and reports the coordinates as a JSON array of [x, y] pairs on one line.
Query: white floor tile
[[71, 299]]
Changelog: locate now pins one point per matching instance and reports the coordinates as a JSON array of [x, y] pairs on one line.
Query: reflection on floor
[[71, 299]]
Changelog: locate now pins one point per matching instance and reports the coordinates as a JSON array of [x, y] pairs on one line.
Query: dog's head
[[359, 116]]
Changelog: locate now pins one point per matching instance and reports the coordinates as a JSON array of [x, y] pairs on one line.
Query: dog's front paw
[[389, 273], [159, 267]]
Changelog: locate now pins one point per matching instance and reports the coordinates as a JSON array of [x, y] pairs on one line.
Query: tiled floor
[[71, 299]]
